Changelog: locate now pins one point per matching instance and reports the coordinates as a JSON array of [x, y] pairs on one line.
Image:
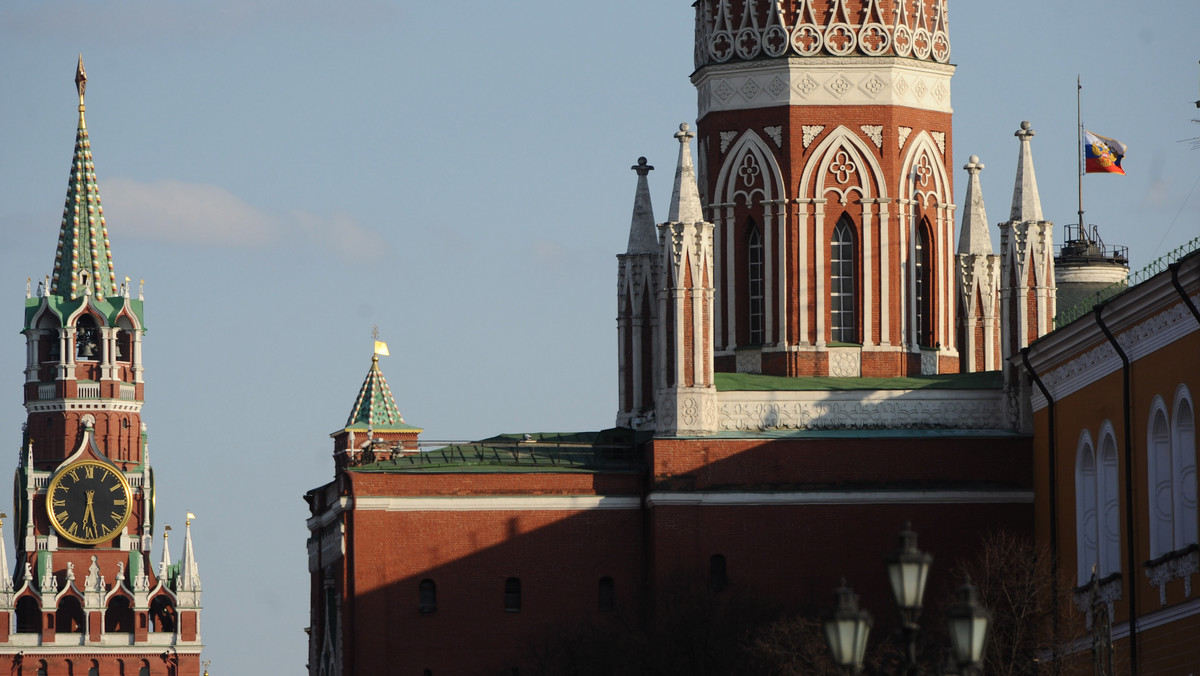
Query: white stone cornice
[[863, 409], [824, 81], [111, 644], [863, 497], [1144, 320]]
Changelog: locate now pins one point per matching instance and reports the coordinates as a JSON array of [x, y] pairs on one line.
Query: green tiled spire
[[375, 409], [83, 263]]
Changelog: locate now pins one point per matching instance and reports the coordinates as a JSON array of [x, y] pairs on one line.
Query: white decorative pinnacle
[[685, 198], [1026, 204], [974, 237], [189, 572], [6, 584], [164, 564], [643, 234]]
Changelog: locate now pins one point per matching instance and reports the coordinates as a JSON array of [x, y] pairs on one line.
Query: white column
[[868, 316], [730, 282], [768, 268], [942, 289], [803, 224], [136, 357], [781, 296], [905, 207], [719, 265], [66, 362], [819, 253], [885, 334]]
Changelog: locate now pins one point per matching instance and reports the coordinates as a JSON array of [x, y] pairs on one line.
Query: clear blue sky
[[284, 174]]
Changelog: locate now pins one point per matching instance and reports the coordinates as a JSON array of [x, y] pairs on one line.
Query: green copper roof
[[83, 263], [612, 450], [375, 408]]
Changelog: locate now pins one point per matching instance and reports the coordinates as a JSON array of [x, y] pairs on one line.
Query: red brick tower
[[84, 594], [825, 146]]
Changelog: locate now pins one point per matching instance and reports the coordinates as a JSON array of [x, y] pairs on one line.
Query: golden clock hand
[[89, 513]]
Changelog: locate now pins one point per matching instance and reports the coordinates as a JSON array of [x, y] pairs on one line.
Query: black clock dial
[[89, 502]]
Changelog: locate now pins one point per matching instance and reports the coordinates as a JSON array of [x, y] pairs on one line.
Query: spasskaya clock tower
[[84, 596]]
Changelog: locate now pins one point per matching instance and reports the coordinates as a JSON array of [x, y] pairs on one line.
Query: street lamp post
[[908, 570], [969, 623], [846, 628]]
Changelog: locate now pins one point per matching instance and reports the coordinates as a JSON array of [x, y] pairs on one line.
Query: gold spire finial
[[81, 86], [381, 347]]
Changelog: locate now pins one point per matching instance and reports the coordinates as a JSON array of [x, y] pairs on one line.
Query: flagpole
[[1079, 145]]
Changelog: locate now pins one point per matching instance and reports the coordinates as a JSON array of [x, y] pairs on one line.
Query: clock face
[[89, 502]]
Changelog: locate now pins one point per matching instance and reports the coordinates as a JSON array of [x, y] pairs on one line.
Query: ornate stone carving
[[751, 411], [776, 134], [873, 85], [749, 171], [1109, 592], [778, 86], [839, 85], [722, 37], [903, 135], [749, 361], [810, 132], [727, 138], [845, 363], [939, 137], [874, 132], [750, 89], [807, 85], [723, 90], [929, 362], [1174, 566], [842, 167]]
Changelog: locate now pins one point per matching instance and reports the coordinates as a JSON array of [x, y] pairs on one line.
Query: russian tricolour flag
[[1102, 154]]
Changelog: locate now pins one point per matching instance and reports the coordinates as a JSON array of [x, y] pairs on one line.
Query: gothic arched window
[[756, 280], [842, 309], [923, 293]]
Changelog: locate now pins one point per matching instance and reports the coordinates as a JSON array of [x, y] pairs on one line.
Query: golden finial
[[381, 347], [3, 516], [81, 86]]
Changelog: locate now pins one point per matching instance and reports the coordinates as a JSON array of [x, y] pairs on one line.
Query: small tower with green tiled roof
[[375, 429]]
